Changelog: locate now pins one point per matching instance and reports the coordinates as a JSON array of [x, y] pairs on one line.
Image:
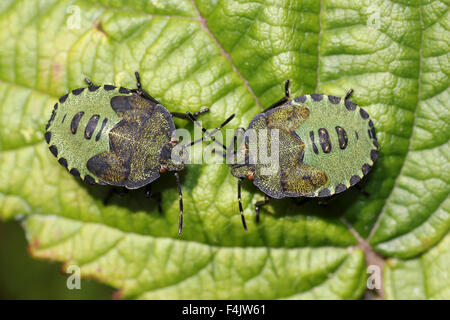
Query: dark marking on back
[[354, 180], [75, 172], [99, 134], [109, 87], [76, 121], [340, 188], [317, 96], [300, 99], [370, 134], [334, 99], [124, 90], [373, 133], [375, 143], [356, 134], [48, 136], [91, 125], [64, 118], [374, 155], [311, 135], [370, 123], [55, 107], [78, 91], [342, 137], [89, 179], [324, 140], [93, 88], [363, 113], [351, 106], [365, 168], [54, 150], [63, 98], [52, 117], [325, 192], [63, 162]]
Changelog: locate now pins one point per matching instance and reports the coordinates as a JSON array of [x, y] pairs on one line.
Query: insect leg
[[206, 133], [156, 196], [140, 91], [241, 210], [282, 100], [180, 198], [259, 204], [364, 192], [349, 93], [184, 116]]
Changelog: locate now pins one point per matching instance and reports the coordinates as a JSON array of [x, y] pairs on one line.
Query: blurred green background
[[22, 277]]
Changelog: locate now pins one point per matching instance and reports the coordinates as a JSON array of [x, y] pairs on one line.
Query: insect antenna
[[206, 133]]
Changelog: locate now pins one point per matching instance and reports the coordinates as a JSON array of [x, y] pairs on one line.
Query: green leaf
[[232, 56]]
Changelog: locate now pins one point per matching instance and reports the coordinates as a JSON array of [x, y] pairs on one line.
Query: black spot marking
[[365, 168], [375, 143], [317, 96], [370, 133], [54, 150], [99, 134], [75, 172], [357, 135], [109, 87], [55, 107], [76, 121], [300, 99], [78, 91], [93, 88], [124, 90], [340, 188], [325, 192], [48, 136], [350, 105], [324, 140], [63, 98], [63, 162], [373, 133], [363, 113], [311, 135], [342, 137], [354, 180], [89, 179], [91, 125], [334, 99], [52, 117], [64, 118], [371, 123], [374, 155]]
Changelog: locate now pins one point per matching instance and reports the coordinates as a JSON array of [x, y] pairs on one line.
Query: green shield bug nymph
[[325, 145], [116, 136]]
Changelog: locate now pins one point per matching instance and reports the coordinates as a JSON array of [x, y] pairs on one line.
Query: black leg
[[88, 81], [206, 133], [282, 100], [140, 91], [180, 199], [156, 196], [241, 210], [360, 189], [259, 204], [349, 93], [184, 116]]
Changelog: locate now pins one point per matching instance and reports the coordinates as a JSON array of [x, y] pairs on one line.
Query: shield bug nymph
[[325, 144], [116, 136]]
